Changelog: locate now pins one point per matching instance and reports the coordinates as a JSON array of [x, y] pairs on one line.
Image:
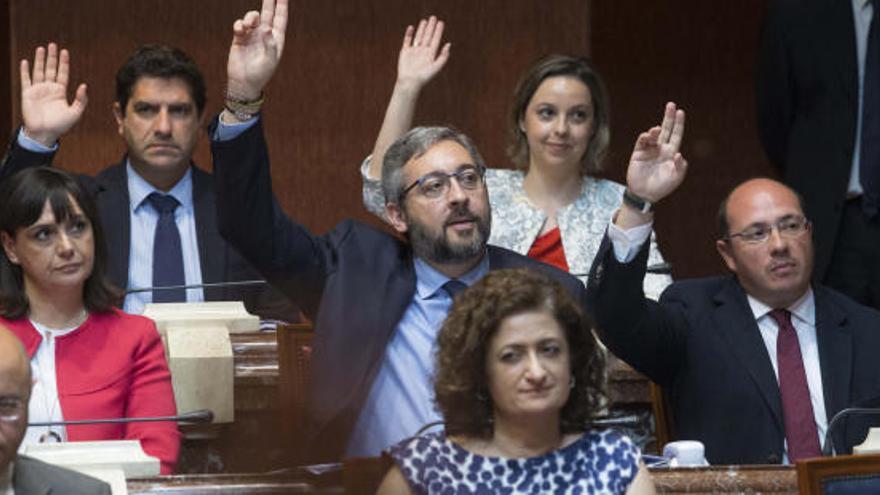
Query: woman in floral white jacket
[[551, 208]]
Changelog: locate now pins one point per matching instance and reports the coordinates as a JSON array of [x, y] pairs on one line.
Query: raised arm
[[257, 44], [45, 110], [420, 59], [656, 167]]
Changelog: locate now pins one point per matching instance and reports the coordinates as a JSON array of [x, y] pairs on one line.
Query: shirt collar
[[139, 188], [803, 309], [429, 280], [861, 4]]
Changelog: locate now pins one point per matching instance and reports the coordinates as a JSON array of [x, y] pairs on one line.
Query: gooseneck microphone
[[192, 417], [237, 283], [867, 407]]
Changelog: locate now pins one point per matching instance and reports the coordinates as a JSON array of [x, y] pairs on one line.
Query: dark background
[[325, 104]]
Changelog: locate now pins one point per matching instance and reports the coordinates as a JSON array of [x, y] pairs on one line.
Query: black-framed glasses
[[11, 408], [791, 227], [436, 184]]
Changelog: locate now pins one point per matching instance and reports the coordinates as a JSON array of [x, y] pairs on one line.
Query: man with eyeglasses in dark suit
[[756, 364]]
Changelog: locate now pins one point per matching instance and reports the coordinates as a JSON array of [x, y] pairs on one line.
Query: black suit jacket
[[701, 343], [219, 261], [807, 106], [354, 282], [34, 477]]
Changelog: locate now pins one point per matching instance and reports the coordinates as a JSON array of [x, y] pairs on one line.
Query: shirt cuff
[[31, 145], [228, 131], [627, 242]]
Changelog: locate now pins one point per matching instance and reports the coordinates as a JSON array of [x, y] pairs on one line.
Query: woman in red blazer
[[89, 360]]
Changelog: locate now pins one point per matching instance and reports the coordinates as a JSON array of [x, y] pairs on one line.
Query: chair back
[[841, 475]]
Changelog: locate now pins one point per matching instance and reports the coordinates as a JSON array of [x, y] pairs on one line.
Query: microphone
[[192, 417], [135, 290], [867, 407]]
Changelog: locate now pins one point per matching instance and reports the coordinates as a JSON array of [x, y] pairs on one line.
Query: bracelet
[[244, 109], [636, 202]]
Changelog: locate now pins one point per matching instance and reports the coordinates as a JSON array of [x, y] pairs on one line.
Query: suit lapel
[[842, 46], [733, 316], [212, 247], [27, 478], [835, 355], [115, 210]]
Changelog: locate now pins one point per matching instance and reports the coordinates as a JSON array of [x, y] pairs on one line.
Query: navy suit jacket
[[219, 261], [354, 282], [807, 106], [701, 343]]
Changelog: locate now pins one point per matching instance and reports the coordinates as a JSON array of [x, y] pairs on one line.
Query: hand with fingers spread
[[656, 167], [420, 56], [420, 59], [257, 44], [46, 113]]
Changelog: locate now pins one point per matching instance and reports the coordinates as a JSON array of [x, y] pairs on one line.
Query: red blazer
[[113, 366]]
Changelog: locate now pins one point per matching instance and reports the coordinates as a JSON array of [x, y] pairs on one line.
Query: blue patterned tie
[[869, 160], [167, 253]]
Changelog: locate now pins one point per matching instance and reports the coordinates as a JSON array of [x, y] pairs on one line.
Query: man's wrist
[[45, 139]]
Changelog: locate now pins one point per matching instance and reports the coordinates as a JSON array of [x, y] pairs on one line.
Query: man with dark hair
[[21, 474], [158, 209], [763, 351], [377, 301]]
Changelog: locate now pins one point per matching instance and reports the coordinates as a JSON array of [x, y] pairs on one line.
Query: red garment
[[548, 249], [113, 366]]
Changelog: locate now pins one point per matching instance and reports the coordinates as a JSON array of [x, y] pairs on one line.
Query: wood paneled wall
[[325, 105]]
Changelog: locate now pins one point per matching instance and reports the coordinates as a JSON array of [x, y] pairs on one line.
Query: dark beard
[[439, 250]]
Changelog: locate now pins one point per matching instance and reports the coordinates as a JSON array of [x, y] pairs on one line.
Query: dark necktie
[[797, 409], [869, 160], [453, 287], [167, 253]]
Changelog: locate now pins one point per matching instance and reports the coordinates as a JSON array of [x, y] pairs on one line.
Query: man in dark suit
[[754, 365], [22, 474], [159, 108], [377, 301], [819, 121]]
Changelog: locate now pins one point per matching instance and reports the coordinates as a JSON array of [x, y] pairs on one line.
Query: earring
[[571, 382], [482, 397]]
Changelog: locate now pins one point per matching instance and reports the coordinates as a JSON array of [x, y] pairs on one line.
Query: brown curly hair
[[460, 381]]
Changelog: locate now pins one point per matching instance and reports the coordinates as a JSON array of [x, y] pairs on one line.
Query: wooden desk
[[770, 480], [254, 442], [775, 480]]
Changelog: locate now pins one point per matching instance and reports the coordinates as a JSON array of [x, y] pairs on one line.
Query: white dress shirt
[[44, 404], [143, 229]]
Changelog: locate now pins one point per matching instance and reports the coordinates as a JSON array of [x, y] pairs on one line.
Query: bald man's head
[[15, 391], [766, 241]]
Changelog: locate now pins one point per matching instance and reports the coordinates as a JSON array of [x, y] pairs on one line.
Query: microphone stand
[[192, 417], [828, 449]]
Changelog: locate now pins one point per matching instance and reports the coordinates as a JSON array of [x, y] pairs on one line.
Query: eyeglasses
[[790, 227], [11, 408], [436, 184]]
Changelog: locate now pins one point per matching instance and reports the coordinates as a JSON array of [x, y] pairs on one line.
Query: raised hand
[[419, 59], [44, 107], [257, 43], [656, 167]]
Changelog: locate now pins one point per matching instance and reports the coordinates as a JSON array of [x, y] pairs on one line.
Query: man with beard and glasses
[[762, 351], [377, 301]]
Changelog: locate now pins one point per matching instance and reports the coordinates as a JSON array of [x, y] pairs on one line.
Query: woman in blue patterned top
[[519, 376]]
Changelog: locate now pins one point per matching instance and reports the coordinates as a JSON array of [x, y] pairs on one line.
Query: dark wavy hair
[[566, 66], [22, 199], [460, 382], [163, 62]]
